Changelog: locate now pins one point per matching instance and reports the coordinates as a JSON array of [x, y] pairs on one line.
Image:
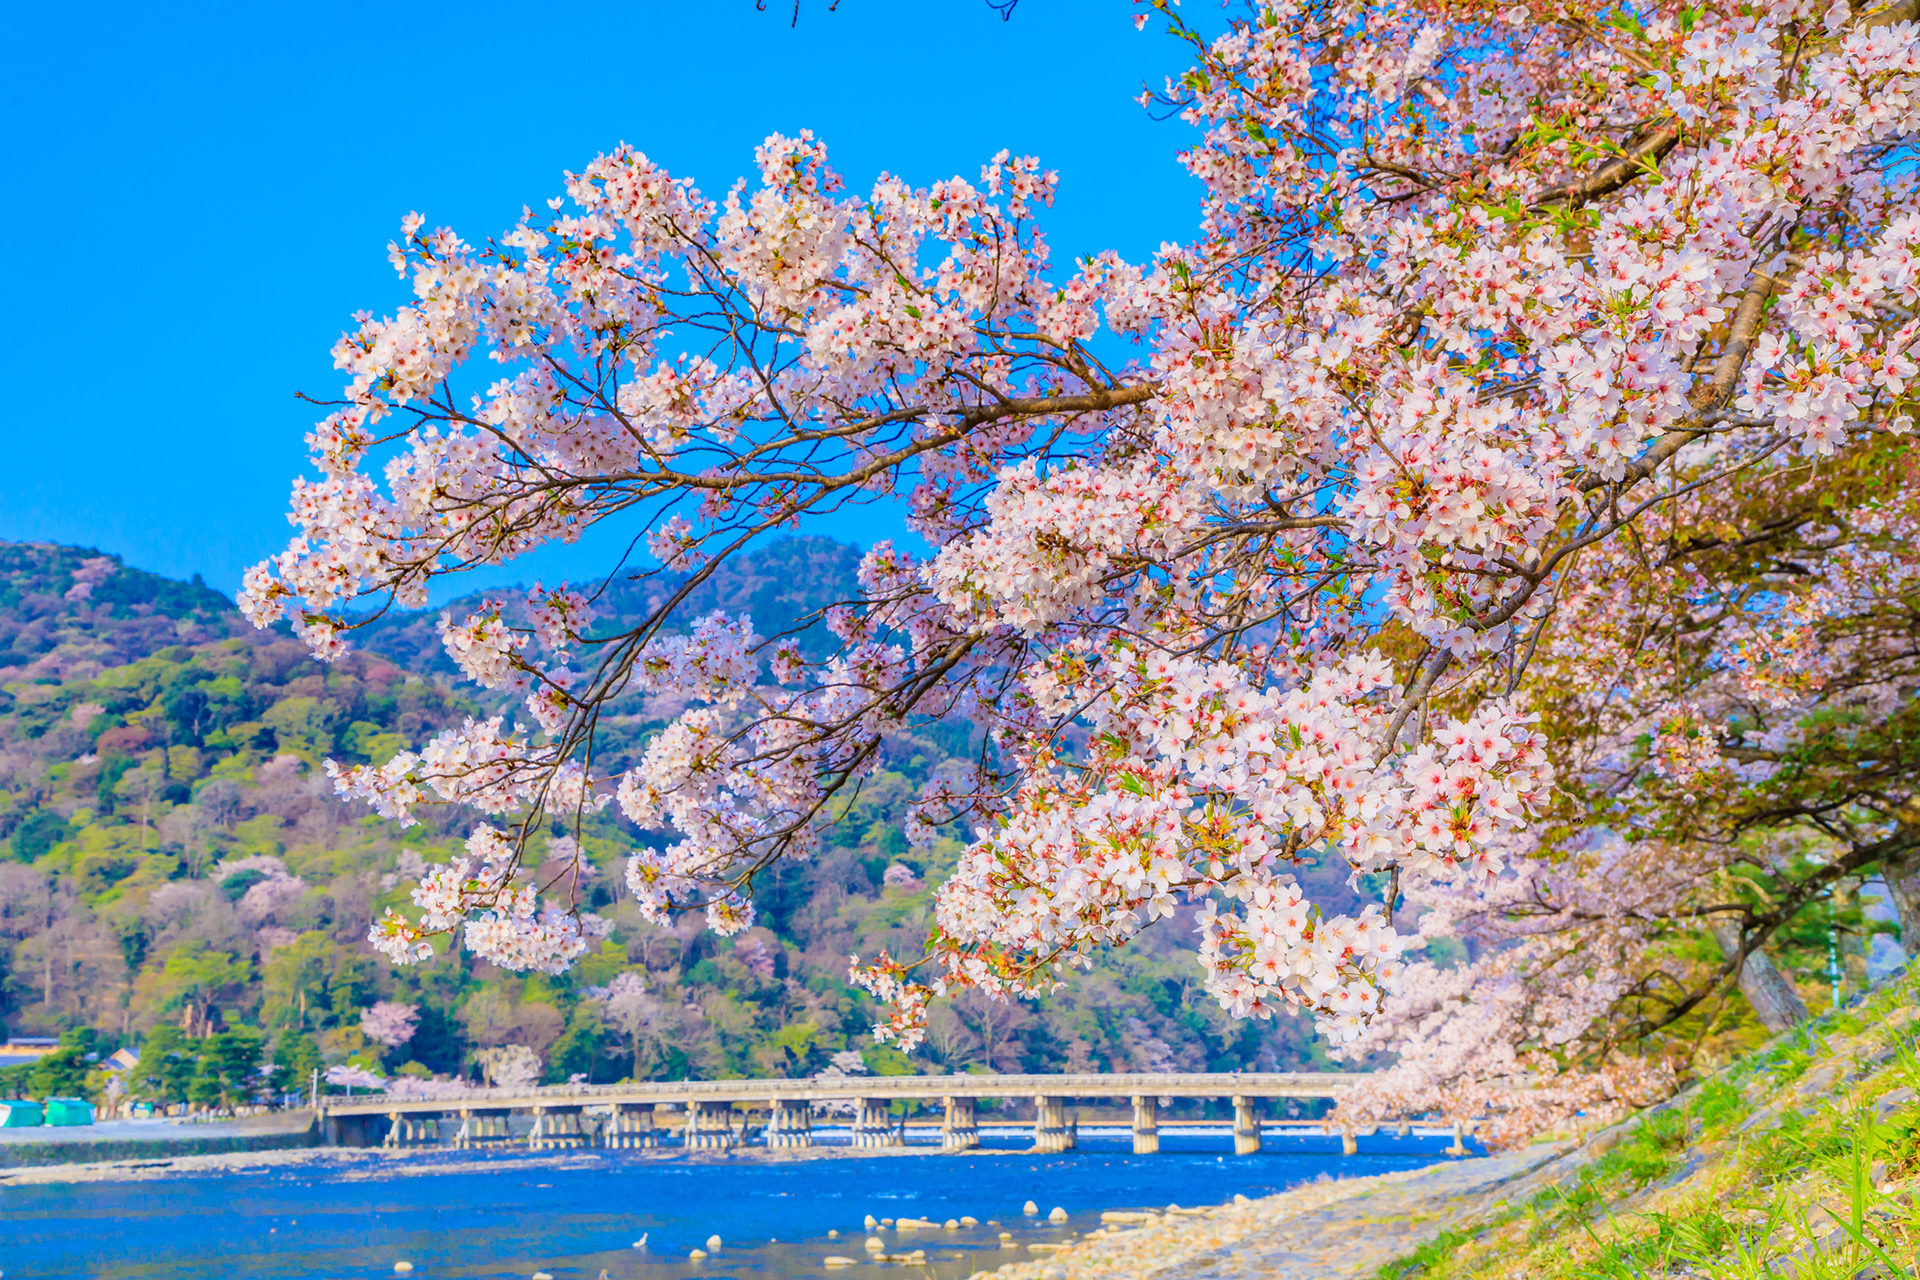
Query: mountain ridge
[[174, 869]]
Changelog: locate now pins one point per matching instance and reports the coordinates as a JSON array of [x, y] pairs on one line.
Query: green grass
[[1803, 1187], [1424, 1260]]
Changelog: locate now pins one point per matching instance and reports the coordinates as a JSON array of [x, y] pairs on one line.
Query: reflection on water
[[578, 1214]]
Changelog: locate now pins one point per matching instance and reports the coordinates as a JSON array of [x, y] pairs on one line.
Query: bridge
[[721, 1114]]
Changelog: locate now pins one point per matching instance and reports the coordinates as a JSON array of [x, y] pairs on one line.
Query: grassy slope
[[1802, 1159]]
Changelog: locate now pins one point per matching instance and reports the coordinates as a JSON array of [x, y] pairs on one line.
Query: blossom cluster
[[1240, 555]]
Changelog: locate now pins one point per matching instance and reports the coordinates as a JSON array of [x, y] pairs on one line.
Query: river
[[579, 1214]]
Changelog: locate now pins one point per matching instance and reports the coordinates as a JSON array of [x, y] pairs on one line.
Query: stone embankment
[[137, 1140]]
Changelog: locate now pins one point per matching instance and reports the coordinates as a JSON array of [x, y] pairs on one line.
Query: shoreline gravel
[[1346, 1227]]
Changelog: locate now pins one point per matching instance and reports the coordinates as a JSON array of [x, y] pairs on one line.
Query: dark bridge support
[[352, 1130]]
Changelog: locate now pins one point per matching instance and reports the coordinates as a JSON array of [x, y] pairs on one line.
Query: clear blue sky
[[199, 196]]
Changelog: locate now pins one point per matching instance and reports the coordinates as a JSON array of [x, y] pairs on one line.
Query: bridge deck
[[1266, 1084]]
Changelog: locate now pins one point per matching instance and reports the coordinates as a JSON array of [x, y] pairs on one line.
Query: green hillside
[[175, 873]]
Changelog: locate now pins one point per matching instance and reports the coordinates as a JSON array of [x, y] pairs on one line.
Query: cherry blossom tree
[[389, 1022], [1240, 557], [510, 1066], [1730, 696]]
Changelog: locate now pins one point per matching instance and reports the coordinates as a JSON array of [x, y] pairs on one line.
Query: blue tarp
[[18, 1114], [69, 1111]]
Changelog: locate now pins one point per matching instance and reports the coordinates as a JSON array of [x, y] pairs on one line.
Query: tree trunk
[[1903, 886], [1773, 998]]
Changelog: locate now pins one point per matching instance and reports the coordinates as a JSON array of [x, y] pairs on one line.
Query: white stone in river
[[1030, 1209], [836, 1260], [401, 1268], [834, 1234], [713, 1244], [953, 1224], [876, 1245], [965, 1221], [872, 1222], [543, 1275], [695, 1255], [1058, 1214]]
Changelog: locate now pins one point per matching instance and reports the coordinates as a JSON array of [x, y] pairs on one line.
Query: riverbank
[[114, 1142], [1800, 1161], [1324, 1230]]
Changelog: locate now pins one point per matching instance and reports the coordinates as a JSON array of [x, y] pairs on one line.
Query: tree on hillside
[[1246, 557]]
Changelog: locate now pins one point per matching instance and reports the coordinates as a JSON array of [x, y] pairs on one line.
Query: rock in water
[[543, 1275], [1058, 1214], [836, 1260], [872, 1222], [713, 1244], [834, 1234], [694, 1255], [1030, 1209]]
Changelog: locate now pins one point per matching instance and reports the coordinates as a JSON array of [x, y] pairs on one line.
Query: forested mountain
[[172, 857]]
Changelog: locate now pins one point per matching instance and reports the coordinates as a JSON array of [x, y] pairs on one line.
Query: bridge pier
[[555, 1127], [873, 1124], [481, 1127], [959, 1129], [630, 1127], [1146, 1124], [789, 1123], [710, 1127], [1246, 1126], [1348, 1146], [404, 1130], [1052, 1132], [1461, 1132]]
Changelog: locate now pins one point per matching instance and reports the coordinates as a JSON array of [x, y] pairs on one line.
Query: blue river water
[[581, 1214]]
